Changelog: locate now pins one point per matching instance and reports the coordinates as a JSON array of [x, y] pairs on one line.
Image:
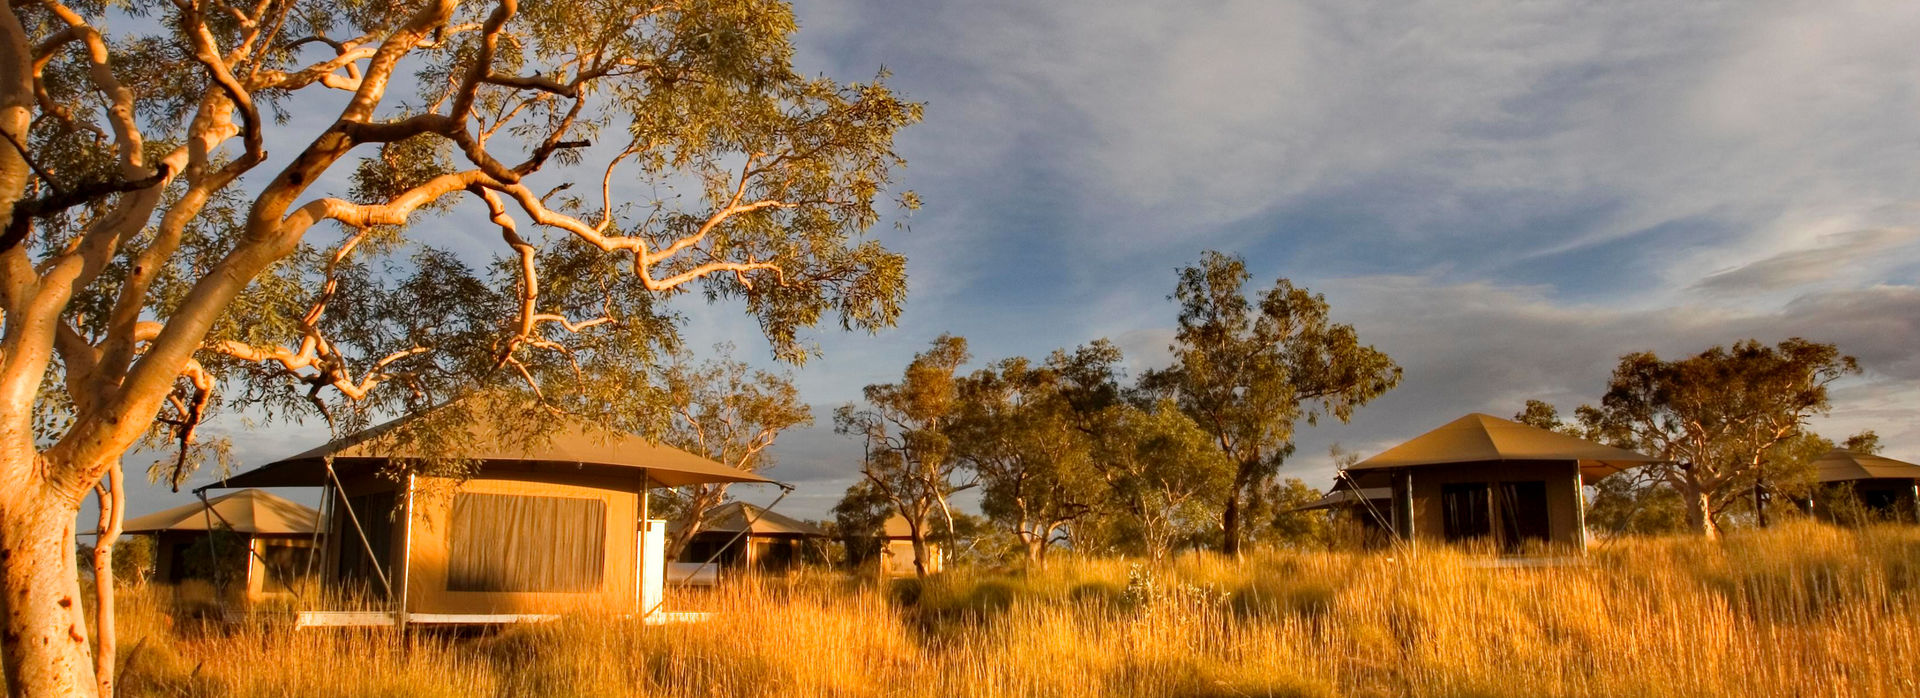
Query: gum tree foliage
[[1016, 432], [908, 458], [158, 263], [1287, 527], [859, 521], [1720, 417], [1163, 474], [727, 411], [1247, 369]]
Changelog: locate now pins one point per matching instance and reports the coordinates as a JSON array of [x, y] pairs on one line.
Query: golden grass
[[1797, 610]]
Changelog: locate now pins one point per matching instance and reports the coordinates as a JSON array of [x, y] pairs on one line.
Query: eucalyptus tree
[[1017, 433], [727, 411], [908, 458], [156, 262], [1718, 417], [1162, 473], [1247, 370]]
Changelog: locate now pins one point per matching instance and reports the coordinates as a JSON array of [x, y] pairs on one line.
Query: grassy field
[[1802, 610]]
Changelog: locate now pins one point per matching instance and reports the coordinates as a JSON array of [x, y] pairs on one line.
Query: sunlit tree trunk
[[112, 513], [1700, 512], [44, 639]]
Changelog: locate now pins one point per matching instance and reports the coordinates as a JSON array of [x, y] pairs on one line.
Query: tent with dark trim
[[549, 515], [738, 535], [1483, 478], [1859, 487], [272, 538]]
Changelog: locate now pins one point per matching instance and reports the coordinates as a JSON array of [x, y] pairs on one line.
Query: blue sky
[[1505, 197]]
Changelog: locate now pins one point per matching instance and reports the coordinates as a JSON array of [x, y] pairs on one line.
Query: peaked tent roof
[[1483, 438], [1840, 465], [247, 511], [733, 517], [569, 442]]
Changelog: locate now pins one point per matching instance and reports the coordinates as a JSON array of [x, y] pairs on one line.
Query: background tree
[[151, 253], [859, 522], [1866, 442], [1289, 527], [1543, 415], [908, 458], [726, 411], [1016, 431], [1247, 372], [1716, 416], [1162, 473]]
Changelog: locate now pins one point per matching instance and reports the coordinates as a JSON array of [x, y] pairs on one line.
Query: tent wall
[[433, 579], [896, 558], [1435, 487]]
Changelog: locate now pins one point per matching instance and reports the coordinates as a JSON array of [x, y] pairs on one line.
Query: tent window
[[1464, 507], [1523, 512], [504, 542]]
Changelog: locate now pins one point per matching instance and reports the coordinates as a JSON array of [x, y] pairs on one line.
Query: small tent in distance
[[896, 550], [1481, 478], [250, 542], [1860, 487], [741, 537]]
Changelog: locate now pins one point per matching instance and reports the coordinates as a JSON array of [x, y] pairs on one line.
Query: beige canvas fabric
[[1840, 465], [247, 511], [1479, 438], [564, 443]]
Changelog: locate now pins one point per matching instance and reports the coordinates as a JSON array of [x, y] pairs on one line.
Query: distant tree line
[[1068, 450]]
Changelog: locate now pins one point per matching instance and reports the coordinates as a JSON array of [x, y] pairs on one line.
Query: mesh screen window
[[504, 542]]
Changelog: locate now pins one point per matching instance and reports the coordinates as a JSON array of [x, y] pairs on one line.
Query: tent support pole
[[406, 557], [1403, 505], [640, 554], [322, 520], [1579, 508], [213, 549]]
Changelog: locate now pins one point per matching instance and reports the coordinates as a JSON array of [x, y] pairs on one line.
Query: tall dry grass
[[1795, 611]]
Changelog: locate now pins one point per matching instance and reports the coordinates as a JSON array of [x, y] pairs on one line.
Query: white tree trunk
[[44, 639], [1700, 512]]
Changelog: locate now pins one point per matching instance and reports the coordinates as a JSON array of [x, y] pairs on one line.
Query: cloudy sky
[[1504, 197]]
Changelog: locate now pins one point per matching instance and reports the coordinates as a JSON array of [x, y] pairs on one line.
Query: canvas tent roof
[[1483, 438], [896, 527], [567, 442], [733, 517], [247, 511], [1841, 465]]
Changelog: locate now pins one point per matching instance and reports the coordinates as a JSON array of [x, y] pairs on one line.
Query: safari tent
[[738, 536], [896, 550], [548, 520], [1860, 485], [264, 541], [1483, 478]]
